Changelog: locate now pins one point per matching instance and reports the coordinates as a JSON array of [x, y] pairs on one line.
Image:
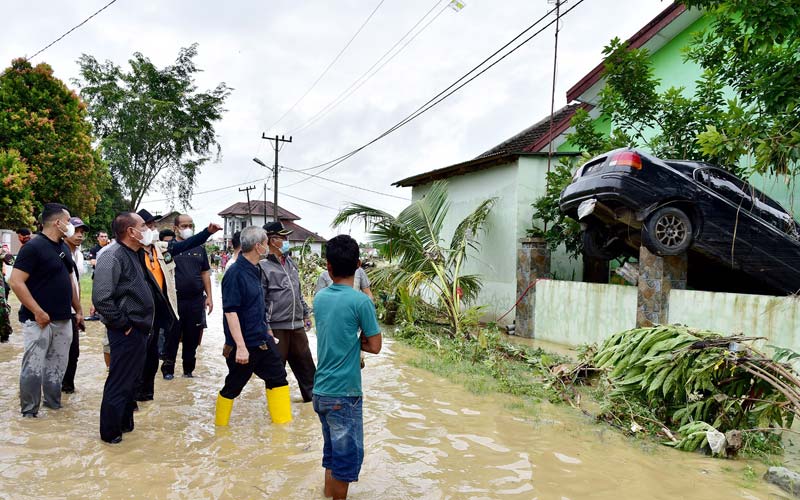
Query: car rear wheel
[[668, 231], [597, 244]]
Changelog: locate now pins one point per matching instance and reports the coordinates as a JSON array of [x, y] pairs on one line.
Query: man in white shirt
[[74, 243]]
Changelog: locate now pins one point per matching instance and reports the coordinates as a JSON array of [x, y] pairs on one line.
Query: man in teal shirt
[[341, 312]]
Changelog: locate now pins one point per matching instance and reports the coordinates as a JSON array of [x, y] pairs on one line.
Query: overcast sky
[[271, 52]]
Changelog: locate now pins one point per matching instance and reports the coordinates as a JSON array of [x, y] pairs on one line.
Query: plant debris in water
[[699, 389]]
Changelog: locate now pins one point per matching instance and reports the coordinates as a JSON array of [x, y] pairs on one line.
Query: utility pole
[[276, 146], [249, 211]]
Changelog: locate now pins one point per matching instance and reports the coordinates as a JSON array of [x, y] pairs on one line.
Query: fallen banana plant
[[700, 383]]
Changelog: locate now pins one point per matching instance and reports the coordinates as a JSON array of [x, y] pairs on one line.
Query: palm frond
[[357, 212], [466, 233]]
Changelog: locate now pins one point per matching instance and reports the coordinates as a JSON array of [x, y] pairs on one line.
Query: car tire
[[597, 245], [668, 231]]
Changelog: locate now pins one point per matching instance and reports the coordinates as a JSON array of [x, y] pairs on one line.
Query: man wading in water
[[341, 312], [248, 348], [287, 311], [41, 280]]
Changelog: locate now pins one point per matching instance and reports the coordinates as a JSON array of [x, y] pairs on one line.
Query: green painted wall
[[531, 186], [669, 65], [573, 313], [775, 318], [496, 261], [517, 185]]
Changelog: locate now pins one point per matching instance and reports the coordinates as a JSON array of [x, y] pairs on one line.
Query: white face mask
[[147, 237], [69, 230], [187, 233]]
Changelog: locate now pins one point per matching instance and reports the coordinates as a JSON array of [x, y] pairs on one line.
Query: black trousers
[[189, 333], [293, 347], [68, 382], [146, 383], [127, 359], [264, 361]]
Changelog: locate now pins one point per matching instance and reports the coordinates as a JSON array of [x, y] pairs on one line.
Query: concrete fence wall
[[776, 318], [574, 313]]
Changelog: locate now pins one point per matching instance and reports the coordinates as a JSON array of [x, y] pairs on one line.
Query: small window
[[728, 186]]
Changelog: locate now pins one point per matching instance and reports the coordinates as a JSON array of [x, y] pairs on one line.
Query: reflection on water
[[425, 438]]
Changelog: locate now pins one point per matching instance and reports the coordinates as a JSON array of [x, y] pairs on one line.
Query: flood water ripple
[[425, 438]]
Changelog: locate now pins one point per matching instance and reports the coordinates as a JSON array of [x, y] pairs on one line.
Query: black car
[[737, 238]]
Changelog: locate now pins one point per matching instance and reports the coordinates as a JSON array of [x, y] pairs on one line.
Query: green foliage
[[45, 123], [155, 127], [16, 190], [420, 261], [310, 267], [555, 227], [483, 363], [665, 122], [754, 49], [110, 204], [696, 380]]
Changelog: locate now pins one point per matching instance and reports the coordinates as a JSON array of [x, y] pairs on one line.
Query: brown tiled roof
[[530, 139], [299, 233], [257, 207]]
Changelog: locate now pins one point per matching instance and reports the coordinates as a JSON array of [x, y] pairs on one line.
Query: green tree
[[753, 48], [155, 127], [420, 261], [110, 204], [45, 123], [16, 190]]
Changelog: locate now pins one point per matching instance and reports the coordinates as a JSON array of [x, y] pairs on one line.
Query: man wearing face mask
[[41, 280], [74, 243], [127, 297], [159, 259], [287, 311], [193, 283]]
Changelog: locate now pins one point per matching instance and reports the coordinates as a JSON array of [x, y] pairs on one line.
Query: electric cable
[[71, 30], [355, 85], [342, 184], [330, 65], [441, 96]]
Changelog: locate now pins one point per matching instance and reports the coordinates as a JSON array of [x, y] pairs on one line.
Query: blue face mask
[[285, 247]]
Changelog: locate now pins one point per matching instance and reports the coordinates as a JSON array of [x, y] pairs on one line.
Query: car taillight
[[626, 159]]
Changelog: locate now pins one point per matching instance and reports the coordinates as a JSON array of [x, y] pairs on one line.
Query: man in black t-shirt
[[193, 284], [41, 280]]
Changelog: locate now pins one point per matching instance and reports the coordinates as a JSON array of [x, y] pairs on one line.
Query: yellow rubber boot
[[279, 404], [224, 407]]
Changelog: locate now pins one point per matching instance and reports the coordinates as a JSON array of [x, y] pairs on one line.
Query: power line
[[71, 30], [340, 183], [444, 94], [350, 89], [330, 65]]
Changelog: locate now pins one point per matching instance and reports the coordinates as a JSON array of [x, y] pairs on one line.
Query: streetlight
[[275, 174]]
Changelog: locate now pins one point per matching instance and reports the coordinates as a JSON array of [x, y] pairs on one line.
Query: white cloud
[[271, 52]]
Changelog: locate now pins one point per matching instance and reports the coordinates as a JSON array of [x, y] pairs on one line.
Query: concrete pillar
[[533, 262], [657, 276]]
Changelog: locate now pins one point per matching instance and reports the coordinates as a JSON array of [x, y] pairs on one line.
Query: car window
[[728, 186], [769, 210]]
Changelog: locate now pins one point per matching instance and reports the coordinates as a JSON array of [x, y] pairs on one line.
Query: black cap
[[147, 216], [276, 228]]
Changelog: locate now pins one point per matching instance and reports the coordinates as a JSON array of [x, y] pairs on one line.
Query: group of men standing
[[152, 291], [142, 286]]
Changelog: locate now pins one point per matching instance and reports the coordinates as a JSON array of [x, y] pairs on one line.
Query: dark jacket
[[123, 294], [283, 299]]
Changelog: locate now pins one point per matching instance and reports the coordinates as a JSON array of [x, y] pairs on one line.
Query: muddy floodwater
[[425, 438]]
